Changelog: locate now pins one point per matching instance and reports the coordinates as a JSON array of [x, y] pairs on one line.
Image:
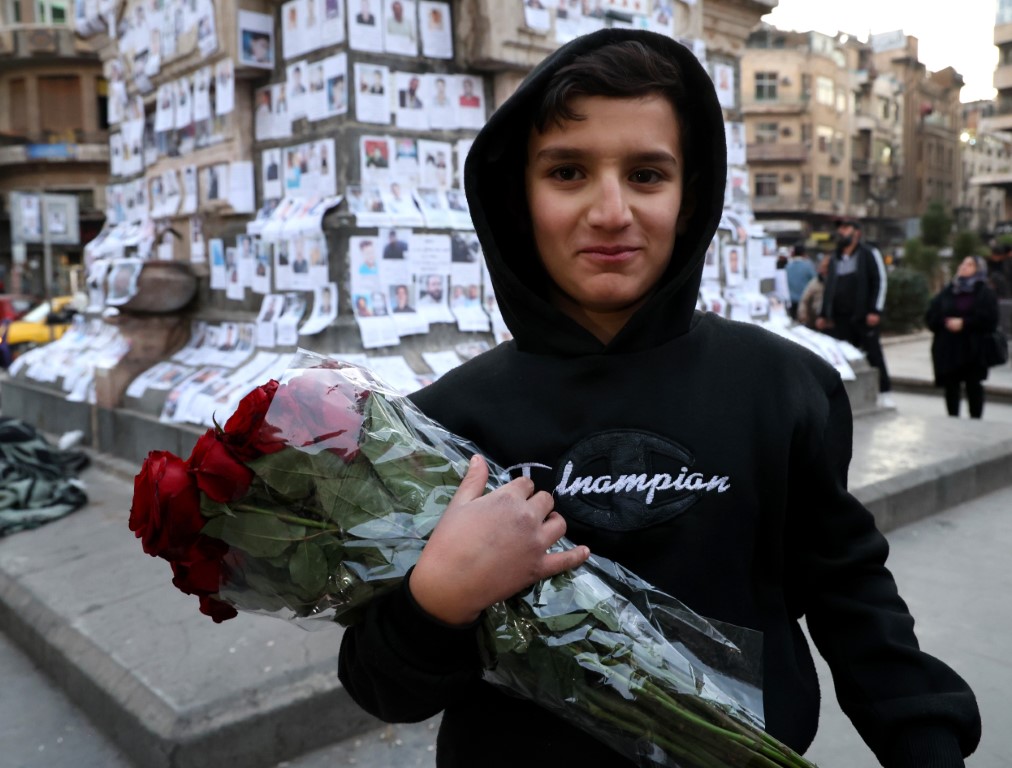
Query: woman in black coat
[[960, 316]]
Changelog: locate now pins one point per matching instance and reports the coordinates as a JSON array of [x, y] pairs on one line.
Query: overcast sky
[[958, 35]]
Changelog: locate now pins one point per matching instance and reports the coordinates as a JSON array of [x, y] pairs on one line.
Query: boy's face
[[605, 194]]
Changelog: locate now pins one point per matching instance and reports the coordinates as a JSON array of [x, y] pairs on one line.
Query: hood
[[493, 181]]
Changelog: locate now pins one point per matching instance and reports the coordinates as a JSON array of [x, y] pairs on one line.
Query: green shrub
[[965, 244], [921, 258], [907, 300]]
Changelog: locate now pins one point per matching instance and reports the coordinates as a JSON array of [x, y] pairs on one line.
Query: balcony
[[777, 152], [25, 41], [782, 204], [793, 106], [63, 147]]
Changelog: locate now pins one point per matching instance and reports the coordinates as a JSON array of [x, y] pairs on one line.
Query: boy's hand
[[487, 548]]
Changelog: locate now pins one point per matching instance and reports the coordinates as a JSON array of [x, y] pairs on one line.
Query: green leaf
[[289, 472], [259, 535], [308, 568]]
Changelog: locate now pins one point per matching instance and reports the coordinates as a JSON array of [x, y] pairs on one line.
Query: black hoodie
[[755, 526]]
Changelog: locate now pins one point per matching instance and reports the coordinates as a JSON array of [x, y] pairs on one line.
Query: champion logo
[[624, 480], [641, 483]]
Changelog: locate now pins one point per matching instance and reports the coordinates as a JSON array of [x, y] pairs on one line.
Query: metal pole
[[47, 260]]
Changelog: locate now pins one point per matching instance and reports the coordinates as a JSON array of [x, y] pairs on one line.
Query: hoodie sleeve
[[878, 281], [910, 708], [403, 666]]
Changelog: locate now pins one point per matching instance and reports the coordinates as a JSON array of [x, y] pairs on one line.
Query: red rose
[[216, 609], [202, 572], [246, 433], [165, 512], [219, 474], [321, 410]]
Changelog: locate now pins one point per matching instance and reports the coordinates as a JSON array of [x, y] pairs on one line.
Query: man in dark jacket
[[855, 299], [595, 191]]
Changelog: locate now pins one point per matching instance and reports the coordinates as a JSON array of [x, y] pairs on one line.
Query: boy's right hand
[[487, 548]]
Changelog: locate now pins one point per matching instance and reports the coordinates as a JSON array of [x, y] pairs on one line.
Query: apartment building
[[986, 157], [798, 107], [835, 125], [53, 134]]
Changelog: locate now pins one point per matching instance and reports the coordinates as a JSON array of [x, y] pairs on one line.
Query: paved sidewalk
[[908, 359], [171, 688]]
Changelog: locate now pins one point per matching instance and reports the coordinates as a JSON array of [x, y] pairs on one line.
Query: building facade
[[53, 134]]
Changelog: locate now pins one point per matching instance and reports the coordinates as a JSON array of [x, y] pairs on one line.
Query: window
[[766, 133], [806, 134], [806, 186], [824, 91], [60, 103], [825, 187], [19, 107], [806, 87], [841, 101], [765, 185], [839, 190], [51, 11], [824, 138], [766, 86]]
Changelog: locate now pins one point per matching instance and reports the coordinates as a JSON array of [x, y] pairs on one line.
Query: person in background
[[810, 304], [999, 269], [800, 272], [959, 316], [854, 300]]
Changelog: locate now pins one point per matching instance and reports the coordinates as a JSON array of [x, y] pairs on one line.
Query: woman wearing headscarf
[[960, 316]]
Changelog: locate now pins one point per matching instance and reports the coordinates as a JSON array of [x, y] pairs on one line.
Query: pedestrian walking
[[596, 189], [960, 316], [800, 272], [810, 304], [854, 300]]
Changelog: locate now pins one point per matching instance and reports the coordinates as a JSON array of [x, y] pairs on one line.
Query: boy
[[595, 191]]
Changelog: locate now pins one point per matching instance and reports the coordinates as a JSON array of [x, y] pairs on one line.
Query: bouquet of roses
[[319, 493]]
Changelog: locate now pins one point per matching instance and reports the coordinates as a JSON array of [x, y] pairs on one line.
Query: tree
[[936, 226]]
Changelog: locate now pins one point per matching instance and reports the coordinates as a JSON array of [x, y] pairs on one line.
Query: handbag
[[995, 348]]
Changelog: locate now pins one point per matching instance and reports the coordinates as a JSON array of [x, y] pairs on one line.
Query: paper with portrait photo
[[188, 204], [568, 20], [288, 323], [400, 31], [411, 100], [733, 257], [335, 81], [297, 83], [198, 252], [121, 281], [661, 17], [292, 41], [735, 136], [324, 310], [394, 370], [331, 21], [165, 109], [469, 98], [219, 274], [465, 291], [461, 149], [224, 87], [263, 114], [441, 108], [270, 166], [241, 186], [436, 29], [400, 205], [374, 160], [432, 204], [256, 39], [316, 98], [234, 288], [737, 184], [281, 126], [365, 26], [436, 163], [723, 80], [372, 93], [366, 203], [262, 263], [460, 216], [430, 260], [266, 322], [536, 16], [184, 103], [207, 29], [405, 166]]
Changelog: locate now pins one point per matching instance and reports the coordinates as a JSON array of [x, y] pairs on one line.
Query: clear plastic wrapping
[[320, 492]]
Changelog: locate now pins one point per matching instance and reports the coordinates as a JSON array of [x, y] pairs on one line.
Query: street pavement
[[105, 664]]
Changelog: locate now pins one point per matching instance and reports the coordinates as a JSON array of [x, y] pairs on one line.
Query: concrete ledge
[[925, 491]]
